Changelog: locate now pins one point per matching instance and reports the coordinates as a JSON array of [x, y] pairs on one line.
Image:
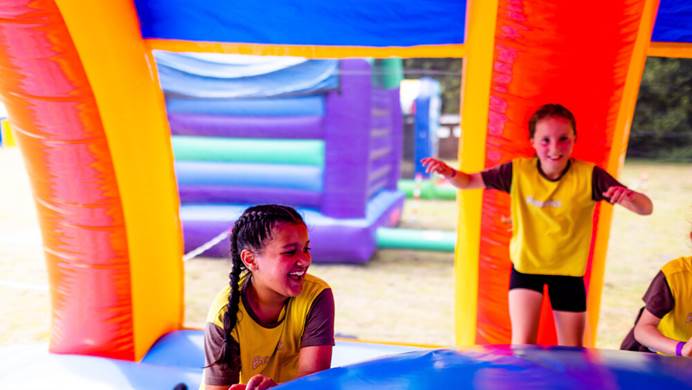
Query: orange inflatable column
[[588, 56], [59, 131], [90, 121]]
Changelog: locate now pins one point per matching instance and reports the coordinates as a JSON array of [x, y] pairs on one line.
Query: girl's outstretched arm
[[458, 178], [630, 199], [647, 334]]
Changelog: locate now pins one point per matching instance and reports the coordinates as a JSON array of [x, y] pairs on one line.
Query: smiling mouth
[[297, 275]]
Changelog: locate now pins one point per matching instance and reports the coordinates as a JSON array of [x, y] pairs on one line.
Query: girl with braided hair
[[274, 322]]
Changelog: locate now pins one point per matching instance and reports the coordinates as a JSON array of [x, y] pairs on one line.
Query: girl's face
[[280, 266], [553, 141]]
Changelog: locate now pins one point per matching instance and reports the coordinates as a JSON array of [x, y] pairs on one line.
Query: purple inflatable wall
[[347, 143], [362, 134]]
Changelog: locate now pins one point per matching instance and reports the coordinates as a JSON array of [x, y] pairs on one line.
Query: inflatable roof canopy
[[82, 94]]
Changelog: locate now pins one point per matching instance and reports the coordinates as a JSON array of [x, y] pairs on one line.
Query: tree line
[[662, 125]]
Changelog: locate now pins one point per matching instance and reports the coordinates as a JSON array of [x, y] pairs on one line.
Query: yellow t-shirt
[[677, 324], [271, 351], [552, 220]]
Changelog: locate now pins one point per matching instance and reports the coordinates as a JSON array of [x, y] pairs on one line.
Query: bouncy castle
[[320, 135], [83, 95]]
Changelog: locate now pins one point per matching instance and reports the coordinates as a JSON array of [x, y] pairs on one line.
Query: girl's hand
[[618, 194], [687, 348], [434, 165], [257, 382]]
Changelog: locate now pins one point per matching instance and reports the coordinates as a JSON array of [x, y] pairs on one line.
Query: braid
[[231, 316], [250, 231]]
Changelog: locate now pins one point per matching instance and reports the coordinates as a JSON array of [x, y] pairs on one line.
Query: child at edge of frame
[[664, 324]]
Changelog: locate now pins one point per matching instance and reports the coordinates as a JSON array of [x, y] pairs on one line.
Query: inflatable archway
[[82, 93]]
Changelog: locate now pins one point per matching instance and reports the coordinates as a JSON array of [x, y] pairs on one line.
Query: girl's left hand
[[617, 194]]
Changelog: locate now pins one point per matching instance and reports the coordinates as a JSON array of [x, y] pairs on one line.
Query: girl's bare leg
[[569, 327], [524, 313]]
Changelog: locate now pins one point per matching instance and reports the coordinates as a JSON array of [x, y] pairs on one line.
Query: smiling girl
[[274, 322], [552, 202]]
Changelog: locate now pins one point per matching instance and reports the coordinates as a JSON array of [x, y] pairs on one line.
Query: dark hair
[[551, 111], [250, 230]]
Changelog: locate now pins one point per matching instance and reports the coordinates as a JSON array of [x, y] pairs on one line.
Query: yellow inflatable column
[[7, 136], [481, 16], [131, 106]]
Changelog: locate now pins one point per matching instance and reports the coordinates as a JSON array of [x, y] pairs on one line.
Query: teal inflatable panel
[[415, 239], [248, 150]]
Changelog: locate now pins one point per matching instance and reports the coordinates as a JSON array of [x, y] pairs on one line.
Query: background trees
[[662, 126]]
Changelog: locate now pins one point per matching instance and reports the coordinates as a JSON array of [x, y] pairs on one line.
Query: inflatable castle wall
[[324, 136]]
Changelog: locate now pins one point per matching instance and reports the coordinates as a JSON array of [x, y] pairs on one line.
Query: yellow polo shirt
[[270, 350], [552, 220], [677, 324]]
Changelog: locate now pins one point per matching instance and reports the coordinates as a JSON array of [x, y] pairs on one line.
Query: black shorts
[[567, 293]]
